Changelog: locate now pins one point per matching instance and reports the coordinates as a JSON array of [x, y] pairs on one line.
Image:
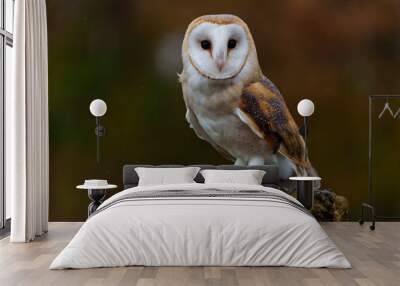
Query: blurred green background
[[128, 53]]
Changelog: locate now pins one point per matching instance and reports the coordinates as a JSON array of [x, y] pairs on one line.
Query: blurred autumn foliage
[[334, 52]]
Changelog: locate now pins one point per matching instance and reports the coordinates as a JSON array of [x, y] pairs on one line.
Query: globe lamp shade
[[305, 107], [98, 107]]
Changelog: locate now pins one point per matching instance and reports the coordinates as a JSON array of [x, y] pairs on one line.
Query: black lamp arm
[[305, 136], [99, 131]]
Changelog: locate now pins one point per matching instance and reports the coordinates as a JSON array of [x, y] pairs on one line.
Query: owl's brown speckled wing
[[264, 110]]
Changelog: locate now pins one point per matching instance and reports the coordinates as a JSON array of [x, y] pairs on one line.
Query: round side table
[[96, 195], [305, 192]]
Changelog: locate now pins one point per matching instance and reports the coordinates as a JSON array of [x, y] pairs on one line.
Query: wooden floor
[[375, 257]]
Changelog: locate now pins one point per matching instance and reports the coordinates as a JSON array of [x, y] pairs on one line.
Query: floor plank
[[375, 257]]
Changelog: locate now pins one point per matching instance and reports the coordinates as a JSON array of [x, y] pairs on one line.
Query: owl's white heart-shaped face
[[218, 51]]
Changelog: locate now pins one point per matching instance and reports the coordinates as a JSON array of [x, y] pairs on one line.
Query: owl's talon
[[256, 161], [240, 162]]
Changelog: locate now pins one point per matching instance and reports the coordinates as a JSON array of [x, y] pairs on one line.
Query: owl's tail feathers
[[306, 170], [288, 168]]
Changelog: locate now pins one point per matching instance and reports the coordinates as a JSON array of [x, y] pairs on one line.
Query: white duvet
[[200, 231]]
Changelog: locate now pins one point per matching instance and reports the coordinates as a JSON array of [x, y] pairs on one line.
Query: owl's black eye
[[231, 44], [205, 44]]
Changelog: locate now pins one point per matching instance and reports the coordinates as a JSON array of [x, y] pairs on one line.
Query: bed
[[198, 224]]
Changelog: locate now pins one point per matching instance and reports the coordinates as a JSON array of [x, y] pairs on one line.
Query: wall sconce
[[305, 108], [98, 108]]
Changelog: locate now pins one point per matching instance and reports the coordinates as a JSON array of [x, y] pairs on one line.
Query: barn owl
[[231, 104]]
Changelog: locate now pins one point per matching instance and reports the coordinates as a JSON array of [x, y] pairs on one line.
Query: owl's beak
[[220, 59], [220, 64]]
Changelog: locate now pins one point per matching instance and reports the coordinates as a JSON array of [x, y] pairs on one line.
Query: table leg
[[96, 196], [305, 193]]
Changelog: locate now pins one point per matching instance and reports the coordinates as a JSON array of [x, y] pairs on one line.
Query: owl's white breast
[[214, 103]]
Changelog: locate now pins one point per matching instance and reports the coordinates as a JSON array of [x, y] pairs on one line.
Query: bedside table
[[96, 195], [305, 192]]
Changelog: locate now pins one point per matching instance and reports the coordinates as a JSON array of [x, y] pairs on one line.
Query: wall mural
[[233, 106], [128, 53]]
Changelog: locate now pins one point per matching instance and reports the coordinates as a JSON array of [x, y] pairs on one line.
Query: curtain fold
[[27, 143]]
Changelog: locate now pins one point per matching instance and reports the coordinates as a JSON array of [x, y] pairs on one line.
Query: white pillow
[[164, 176], [248, 177]]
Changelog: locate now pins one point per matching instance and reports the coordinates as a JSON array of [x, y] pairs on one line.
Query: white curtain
[[27, 144]]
